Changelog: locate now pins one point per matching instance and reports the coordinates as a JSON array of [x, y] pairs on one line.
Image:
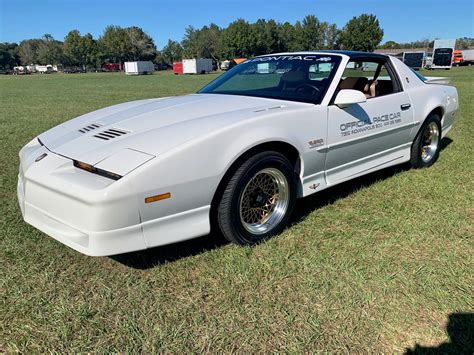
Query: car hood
[[152, 126]]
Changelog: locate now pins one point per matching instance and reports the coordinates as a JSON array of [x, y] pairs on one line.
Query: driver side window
[[370, 77]]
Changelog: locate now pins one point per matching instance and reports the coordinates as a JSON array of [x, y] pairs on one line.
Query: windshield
[[302, 78]]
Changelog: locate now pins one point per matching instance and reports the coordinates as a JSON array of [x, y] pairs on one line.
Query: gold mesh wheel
[[264, 201]]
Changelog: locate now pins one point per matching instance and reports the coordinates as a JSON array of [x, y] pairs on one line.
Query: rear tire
[[426, 146], [258, 199]]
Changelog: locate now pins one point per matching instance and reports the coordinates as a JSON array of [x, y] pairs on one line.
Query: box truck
[[443, 50], [197, 66], [463, 57], [136, 68]]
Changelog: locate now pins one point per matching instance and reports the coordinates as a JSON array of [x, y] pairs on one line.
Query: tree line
[[116, 45], [244, 39], [239, 39]]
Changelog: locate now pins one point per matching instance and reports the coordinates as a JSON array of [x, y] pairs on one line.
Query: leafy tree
[[464, 43], [113, 44], [331, 36], [28, 51], [119, 44], [5, 58], [8, 55], [139, 44], [390, 45], [238, 40], [362, 33], [309, 33], [286, 35], [190, 42], [80, 50], [50, 51], [266, 36], [210, 41], [170, 53], [202, 43], [73, 47]]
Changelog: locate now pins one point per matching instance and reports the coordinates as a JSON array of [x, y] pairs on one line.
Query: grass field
[[383, 263]]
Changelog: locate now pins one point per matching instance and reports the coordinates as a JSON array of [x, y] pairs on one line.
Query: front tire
[[426, 146], [258, 199]]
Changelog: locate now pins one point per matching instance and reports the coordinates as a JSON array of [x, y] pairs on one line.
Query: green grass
[[378, 263]]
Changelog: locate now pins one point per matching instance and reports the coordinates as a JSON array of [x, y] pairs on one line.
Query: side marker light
[[155, 198]]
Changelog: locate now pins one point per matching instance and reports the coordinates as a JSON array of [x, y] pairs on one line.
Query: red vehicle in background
[[178, 68], [112, 67]]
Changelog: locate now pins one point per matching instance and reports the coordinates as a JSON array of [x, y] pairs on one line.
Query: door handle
[[405, 107]]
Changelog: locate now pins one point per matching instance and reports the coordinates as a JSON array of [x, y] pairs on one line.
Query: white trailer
[[137, 68], [414, 59], [443, 51], [197, 66]]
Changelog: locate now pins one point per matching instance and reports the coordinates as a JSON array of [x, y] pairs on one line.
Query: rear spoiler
[[437, 80]]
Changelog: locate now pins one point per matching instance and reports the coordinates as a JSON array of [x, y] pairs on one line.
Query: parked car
[[227, 64], [239, 152]]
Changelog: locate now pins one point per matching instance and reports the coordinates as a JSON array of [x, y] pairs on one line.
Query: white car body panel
[[185, 145]]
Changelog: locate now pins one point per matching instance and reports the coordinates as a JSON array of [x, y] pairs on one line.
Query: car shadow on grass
[[460, 329], [149, 258]]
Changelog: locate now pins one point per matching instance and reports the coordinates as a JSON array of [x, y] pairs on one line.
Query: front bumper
[[87, 242], [90, 213]]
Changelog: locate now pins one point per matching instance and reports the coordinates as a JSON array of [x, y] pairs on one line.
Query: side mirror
[[348, 97]]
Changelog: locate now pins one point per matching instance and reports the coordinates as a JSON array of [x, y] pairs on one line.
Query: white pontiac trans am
[[238, 153]]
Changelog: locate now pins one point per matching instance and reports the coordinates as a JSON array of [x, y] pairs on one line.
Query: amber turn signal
[[84, 166], [157, 197], [94, 170]]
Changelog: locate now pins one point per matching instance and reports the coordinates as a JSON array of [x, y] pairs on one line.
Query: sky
[[402, 20]]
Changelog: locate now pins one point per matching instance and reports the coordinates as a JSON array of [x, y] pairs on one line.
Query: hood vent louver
[[110, 134], [90, 127]]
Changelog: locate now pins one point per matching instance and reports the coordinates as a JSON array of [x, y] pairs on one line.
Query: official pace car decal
[[355, 127]]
